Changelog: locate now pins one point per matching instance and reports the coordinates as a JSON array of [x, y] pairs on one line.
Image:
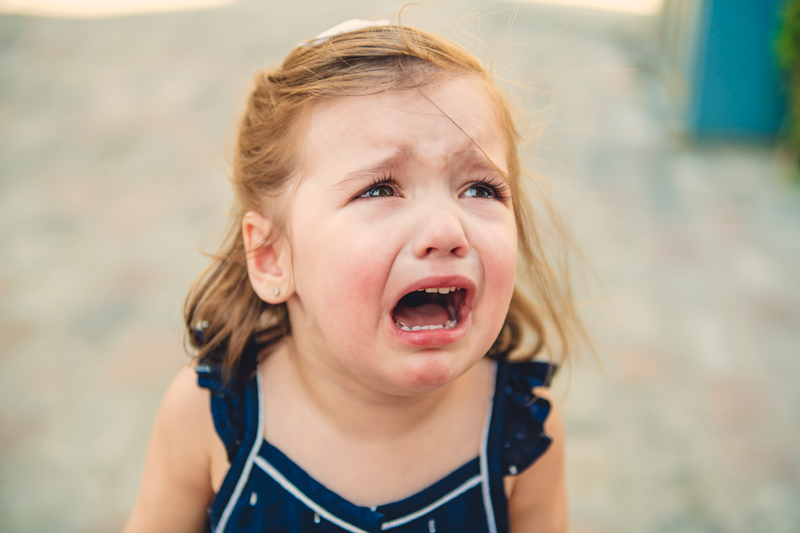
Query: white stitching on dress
[[484, 461], [464, 487], [308, 502]]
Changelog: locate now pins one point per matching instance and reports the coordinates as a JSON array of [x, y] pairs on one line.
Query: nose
[[440, 233]]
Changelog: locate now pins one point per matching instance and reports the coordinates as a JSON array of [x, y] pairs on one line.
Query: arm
[[538, 496], [176, 486]]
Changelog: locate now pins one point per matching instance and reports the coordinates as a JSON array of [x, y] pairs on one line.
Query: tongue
[[424, 315]]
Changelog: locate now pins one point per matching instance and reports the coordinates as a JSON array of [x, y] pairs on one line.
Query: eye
[[488, 188], [377, 191], [380, 188], [479, 191]]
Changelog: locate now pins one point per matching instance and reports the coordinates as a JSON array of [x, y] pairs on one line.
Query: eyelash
[[386, 180], [498, 189]]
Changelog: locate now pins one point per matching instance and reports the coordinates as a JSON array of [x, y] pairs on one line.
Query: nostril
[[444, 237]]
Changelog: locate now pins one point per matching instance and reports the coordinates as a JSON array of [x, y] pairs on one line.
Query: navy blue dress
[[265, 492]]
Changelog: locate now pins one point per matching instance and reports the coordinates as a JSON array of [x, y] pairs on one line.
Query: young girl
[[355, 336]]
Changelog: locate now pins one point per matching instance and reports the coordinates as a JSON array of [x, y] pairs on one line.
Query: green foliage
[[787, 48], [787, 45]]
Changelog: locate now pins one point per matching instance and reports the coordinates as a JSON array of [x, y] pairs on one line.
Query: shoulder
[[183, 434], [186, 425], [177, 482], [186, 403]]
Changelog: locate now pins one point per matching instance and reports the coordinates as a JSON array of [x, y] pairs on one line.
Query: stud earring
[[276, 291]]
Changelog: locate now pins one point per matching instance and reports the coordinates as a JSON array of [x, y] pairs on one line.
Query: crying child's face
[[404, 244]]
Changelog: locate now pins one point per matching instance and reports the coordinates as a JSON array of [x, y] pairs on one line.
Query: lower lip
[[430, 338]]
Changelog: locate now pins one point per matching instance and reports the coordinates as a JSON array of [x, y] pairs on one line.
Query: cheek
[[502, 270], [341, 283], [500, 264]]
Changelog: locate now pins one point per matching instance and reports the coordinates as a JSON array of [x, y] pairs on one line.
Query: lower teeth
[[450, 324]]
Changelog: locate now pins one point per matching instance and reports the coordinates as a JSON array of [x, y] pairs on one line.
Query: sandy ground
[[112, 174]]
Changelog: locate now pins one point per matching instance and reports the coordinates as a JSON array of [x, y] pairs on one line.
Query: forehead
[[455, 120]]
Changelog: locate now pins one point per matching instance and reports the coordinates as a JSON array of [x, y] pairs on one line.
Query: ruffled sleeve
[[227, 405], [523, 437]]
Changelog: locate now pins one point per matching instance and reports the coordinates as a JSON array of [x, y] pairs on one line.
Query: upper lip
[[430, 282]]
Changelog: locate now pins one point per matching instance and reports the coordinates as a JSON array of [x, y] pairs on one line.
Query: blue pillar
[[736, 90]]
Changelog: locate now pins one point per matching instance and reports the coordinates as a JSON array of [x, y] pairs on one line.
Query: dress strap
[[228, 393], [227, 405], [236, 410], [524, 439], [516, 433]]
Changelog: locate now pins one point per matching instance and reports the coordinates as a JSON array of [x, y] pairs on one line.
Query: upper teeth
[[442, 290]]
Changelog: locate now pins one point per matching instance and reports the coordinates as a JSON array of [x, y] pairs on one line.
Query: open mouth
[[432, 308]]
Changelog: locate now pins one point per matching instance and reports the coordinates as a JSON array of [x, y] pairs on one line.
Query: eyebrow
[[475, 159], [470, 157], [385, 166]]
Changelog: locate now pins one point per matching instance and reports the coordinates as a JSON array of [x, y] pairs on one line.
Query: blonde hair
[[223, 314]]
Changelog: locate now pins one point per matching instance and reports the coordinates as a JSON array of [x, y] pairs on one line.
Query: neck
[[355, 407]]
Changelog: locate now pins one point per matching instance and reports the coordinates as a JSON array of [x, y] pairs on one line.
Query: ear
[[269, 267]]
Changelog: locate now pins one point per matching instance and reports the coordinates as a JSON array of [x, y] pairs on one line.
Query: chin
[[429, 371]]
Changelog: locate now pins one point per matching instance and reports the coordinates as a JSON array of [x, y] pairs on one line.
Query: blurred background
[[665, 128]]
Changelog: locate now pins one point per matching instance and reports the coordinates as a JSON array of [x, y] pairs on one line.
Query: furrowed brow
[[385, 166], [475, 160]]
